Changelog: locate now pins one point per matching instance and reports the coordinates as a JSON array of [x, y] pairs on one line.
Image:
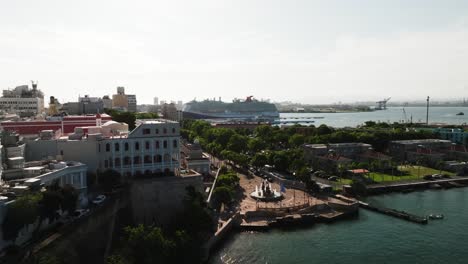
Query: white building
[[22, 100], [22, 105], [151, 148]]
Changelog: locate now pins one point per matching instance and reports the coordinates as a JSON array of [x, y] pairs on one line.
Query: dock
[[422, 184], [395, 213]]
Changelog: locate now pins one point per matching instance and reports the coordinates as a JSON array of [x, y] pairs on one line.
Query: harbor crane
[[382, 105]]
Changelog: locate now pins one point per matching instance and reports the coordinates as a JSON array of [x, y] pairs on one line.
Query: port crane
[[382, 105]]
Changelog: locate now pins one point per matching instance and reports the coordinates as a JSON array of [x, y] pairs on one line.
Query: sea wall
[[155, 200]]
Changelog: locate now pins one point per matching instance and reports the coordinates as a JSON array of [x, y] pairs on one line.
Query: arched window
[[158, 158], [107, 147], [147, 159], [126, 146], [117, 147]]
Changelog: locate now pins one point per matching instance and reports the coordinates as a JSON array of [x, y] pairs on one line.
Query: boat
[[460, 113], [248, 109], [436, 216]]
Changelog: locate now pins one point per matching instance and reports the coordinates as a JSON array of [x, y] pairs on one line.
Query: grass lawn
[[345, 181], [412, 172]]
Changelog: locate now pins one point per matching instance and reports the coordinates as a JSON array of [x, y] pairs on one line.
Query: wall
[[155, 200]]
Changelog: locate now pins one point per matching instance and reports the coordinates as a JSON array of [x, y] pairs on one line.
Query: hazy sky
[[306, 51]]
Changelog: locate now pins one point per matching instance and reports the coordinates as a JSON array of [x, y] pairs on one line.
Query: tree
[[237, 143], [23, 211], [324, 130], [51, 202], [296, 140], [255, 145], [312, 186], [259, 160], [302, 174], [223, 194], [108, 179], [124, 117], [147, 245], [358, 187], [280, 160], [229, 179], [70, 198]]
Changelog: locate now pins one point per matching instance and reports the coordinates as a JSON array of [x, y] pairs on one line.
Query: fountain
[[266, 193]]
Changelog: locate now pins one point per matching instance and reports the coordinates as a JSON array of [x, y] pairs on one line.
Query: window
[[165, 144], [174, 143], [158, 158], [173, 130], [147, 145], [147, 159], [157, 144], [136, 160], [146, 131], [164, 130], [117, 162], [127, 161], [157, 131], [107, 147], [137, 146], [106, 164], [61, 152], [126, 146], [117, 147]]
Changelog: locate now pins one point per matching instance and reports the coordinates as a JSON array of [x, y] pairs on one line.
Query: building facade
[[151, 148]]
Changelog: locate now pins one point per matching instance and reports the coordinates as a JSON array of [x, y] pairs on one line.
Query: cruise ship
[[248, 109]]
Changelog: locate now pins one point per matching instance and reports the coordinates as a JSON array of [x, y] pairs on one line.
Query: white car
[[99, 199]]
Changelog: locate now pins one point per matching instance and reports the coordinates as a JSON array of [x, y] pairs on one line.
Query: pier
[[422, 184], [395, 213]]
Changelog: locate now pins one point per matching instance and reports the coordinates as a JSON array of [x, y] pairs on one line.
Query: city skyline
[[307, 52]]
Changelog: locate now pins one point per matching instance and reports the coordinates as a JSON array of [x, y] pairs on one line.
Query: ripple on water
[[372, 238]]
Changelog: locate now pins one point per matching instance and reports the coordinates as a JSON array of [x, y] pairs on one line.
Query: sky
[[302, 51]]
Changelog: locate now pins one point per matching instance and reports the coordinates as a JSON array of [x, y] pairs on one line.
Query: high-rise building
[[132, 103], [155, 101], [23, 101], [122, 101]]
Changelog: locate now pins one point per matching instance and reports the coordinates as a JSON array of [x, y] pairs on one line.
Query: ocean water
[[369, 238], [392, 114]]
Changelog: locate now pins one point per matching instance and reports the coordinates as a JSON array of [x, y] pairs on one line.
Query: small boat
[[460, 113], [435, 216]]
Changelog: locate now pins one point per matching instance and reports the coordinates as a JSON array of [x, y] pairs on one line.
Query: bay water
[[446, 115], [368, 238]]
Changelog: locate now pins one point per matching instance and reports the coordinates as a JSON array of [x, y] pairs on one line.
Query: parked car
[[99, 199], [80, 212], [333, 178], [437, 176], [428, 177]]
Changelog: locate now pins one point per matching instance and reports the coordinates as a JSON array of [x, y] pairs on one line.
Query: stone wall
[[156, 200]]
